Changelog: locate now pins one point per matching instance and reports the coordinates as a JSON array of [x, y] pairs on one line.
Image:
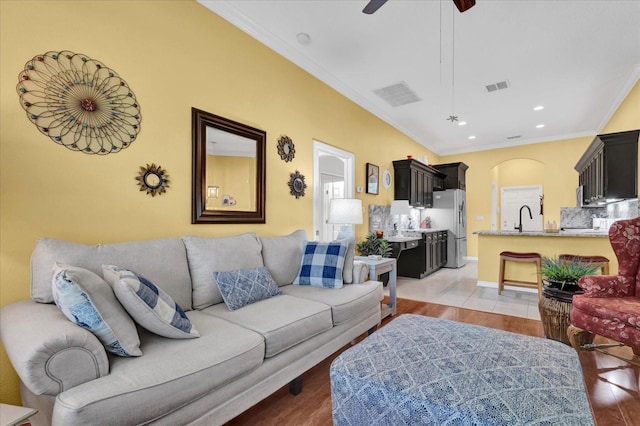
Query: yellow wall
[[558, 158], [174, 55]]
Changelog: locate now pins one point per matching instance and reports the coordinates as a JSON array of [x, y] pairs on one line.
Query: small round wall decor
[[79, 102], [286, 149], [153, 179], [296, 184]]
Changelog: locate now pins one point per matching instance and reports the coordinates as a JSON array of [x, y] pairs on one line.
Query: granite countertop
[[403, 239], [566, 233]]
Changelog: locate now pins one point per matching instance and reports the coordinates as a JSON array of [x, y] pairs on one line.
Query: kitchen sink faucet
[[519, 227]]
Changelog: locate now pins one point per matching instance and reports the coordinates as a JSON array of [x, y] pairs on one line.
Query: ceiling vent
[[498, 86], [514, 137], [397, 94]]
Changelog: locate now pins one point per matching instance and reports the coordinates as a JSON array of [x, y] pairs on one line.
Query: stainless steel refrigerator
[[450, 212]]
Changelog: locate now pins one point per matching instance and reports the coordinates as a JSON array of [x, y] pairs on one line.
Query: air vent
[[514, 137], [397, 94], [498, 86]]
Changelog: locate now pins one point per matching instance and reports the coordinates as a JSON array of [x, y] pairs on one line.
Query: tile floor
[[457, 287]]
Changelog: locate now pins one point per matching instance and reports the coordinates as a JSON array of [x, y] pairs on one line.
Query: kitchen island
[[573, 241]]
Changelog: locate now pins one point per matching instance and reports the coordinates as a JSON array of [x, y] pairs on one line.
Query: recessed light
[[538, 108], [539, 126], [472, 137], [462, 123], [303, 38]]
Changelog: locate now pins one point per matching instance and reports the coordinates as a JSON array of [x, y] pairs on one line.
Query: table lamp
[[399, 207], [346, 212]]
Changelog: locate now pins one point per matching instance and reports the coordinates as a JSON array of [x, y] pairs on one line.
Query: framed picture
[[373, 178]]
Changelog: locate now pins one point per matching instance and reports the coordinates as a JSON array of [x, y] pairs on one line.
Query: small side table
[[12, 415], [378, 267]]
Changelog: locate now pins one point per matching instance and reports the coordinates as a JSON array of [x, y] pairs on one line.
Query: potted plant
[[561, 277], [374, 247]]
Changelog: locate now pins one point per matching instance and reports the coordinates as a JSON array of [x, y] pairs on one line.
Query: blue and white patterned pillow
[[149, 305], [88, 301], [322, 264], [243, 287]]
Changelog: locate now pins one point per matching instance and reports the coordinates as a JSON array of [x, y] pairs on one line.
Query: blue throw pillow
[[88, 301], [148, 304], [322, 264], [245, 286]]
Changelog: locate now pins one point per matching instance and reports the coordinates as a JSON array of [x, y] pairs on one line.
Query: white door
[[339, 164]]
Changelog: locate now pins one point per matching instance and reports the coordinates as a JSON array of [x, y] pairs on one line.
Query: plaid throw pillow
[[322, 264]]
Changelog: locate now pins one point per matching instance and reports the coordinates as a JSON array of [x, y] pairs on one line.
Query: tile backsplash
[[380, 219], [576, 217]]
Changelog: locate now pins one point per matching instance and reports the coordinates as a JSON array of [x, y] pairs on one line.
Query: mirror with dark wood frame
[[229, 170]]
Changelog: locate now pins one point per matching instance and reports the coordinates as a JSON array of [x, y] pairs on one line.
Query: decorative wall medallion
[[79, 103], [386, 179], [286, 149], [153, 179], [296, 184]]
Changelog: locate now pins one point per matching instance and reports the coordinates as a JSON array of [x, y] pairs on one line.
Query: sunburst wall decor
[[153, 179], [79, 102]]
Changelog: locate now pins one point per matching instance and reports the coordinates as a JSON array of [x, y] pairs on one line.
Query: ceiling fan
[[374, 5]]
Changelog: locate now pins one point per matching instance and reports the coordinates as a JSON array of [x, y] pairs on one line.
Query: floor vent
[[397, 94], [498, 86]]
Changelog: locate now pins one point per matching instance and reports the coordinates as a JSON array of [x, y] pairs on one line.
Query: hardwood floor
[[612, 385]]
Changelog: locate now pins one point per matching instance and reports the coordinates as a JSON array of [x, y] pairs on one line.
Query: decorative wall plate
[[286, 148], [296, 184], [153, 179], [386, 179], [79, 103]]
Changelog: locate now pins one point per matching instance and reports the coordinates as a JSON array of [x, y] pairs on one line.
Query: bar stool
[[598, 261], [512, 256]]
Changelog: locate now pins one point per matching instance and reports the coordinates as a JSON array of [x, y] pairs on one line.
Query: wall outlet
[[359, 189], [479, 218]]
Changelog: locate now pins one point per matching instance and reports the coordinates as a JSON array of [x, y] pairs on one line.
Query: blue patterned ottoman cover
[[419, 370]]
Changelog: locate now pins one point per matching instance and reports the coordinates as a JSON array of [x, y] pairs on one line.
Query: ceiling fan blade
[[374, 5], [463, 5]]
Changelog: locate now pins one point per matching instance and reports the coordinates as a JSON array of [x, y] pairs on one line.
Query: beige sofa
[[241, 356]]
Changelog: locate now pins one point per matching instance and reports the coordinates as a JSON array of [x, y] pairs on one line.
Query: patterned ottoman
[[419, 370]]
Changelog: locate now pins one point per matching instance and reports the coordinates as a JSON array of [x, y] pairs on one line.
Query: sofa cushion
[[347, 270], [246, 286], [88, 301], [209, 255], [283, 321], [351, 301], [171, 374], [322, 264], [148, 305], [162, 261], [282, 255]]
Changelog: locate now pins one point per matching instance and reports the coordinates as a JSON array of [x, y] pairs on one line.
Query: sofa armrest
[[360, 272], [49, 352], [607, 286]]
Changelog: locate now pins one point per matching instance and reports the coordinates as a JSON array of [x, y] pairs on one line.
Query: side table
[[378, 267], [11, 415]]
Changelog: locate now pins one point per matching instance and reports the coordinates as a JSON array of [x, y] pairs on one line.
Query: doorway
[[333, 171]]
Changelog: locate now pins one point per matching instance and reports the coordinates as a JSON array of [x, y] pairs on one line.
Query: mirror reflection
[[228, 170], [231, 169]]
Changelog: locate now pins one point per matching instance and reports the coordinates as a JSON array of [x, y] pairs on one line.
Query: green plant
[[562, 272], [374, 245]]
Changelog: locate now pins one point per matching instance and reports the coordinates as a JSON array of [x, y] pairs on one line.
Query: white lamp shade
[[345, 211], [399, 207]]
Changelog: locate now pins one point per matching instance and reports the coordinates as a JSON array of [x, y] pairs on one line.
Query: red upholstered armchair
[[610, 305]]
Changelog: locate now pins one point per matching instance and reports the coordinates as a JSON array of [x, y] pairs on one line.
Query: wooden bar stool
[[512, 256], [598, 261]]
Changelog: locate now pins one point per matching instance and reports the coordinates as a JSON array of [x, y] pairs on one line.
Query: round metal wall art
[[79, 102], [286, 148], [296, 184], [153, 179]]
